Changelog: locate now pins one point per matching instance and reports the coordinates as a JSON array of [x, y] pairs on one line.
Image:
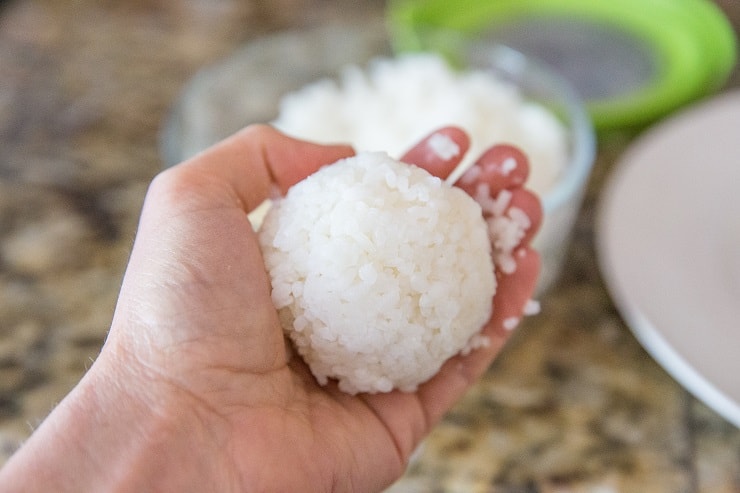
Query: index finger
[[439, 152]]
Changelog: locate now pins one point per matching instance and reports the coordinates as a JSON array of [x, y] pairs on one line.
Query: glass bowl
[[247, 86]]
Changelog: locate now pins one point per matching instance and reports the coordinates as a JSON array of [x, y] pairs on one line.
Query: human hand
[[196, 389]]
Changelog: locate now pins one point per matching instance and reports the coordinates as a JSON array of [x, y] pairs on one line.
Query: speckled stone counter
[[573, 404]]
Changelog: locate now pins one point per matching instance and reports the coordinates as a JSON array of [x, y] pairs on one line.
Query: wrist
[[118, 430]]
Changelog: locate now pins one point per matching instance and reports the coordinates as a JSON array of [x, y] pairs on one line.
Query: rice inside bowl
[[380, 272], [392, 103]]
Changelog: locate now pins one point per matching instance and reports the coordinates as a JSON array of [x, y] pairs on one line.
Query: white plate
[[668, 236]]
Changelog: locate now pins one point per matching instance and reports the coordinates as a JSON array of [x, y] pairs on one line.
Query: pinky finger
[[514, 292]]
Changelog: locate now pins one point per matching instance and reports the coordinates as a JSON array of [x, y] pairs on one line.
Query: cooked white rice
[[380, 272], [391, 104]]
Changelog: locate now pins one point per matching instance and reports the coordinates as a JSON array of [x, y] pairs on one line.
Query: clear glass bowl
[[246, 88]]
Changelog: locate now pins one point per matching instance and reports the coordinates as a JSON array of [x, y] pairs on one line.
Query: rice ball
[[380, 272]]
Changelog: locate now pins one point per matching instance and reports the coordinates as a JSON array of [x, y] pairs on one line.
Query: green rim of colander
[[693, 42]]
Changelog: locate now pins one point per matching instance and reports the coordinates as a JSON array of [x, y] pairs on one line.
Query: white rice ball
[[380, 272]]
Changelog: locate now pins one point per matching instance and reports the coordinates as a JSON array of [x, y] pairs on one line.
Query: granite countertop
[[573, 404]]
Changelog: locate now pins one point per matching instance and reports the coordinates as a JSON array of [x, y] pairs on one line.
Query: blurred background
[[574, 403]]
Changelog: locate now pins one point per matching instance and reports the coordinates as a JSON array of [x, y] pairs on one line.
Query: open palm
[[197, 332]]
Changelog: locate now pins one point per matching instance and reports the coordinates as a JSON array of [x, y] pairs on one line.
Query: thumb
[[196, 272]]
